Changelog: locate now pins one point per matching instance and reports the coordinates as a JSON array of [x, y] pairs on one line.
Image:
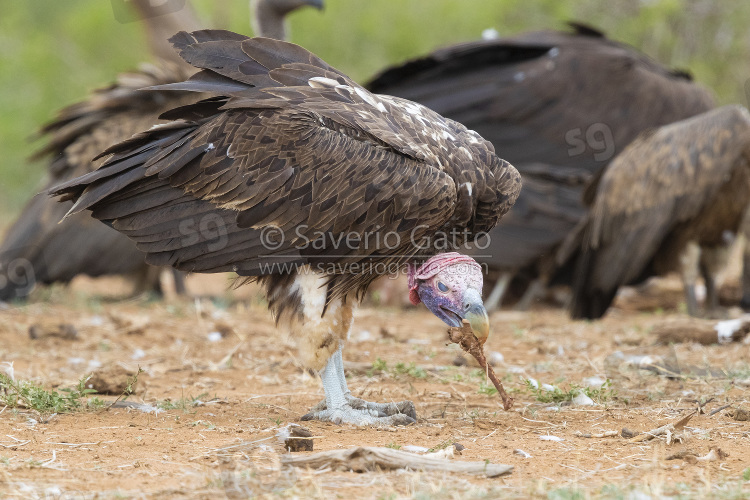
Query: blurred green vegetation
[[52, 53]]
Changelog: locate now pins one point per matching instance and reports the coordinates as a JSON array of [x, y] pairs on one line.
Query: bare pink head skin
[[450, 285]]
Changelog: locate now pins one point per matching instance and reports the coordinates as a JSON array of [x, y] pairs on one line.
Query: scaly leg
[[340, 407]]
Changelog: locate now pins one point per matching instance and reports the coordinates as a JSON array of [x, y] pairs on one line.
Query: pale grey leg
[[340, 407], [689, 263], [339, 360]]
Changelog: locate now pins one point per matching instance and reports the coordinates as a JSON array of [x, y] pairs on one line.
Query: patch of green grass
[[378, 366], [487, 388], [600, 395], [21, 393], [205, 423], [566, 494], [410, 369], [518, 332], [746, 474], [393, 446], [442, 446], [184, 403]]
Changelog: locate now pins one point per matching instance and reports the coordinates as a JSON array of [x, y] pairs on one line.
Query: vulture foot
[[360, 412]]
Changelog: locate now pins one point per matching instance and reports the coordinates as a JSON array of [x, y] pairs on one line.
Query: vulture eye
[[442, 287]]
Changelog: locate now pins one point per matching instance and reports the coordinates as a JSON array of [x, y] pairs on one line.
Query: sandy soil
[[227, 394]]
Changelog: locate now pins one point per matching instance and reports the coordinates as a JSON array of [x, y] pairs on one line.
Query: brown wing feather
[[319, 157]]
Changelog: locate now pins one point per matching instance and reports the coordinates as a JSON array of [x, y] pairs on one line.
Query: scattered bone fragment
[[669, 431], [521, 453], [582, 399], [415, 449], [142, 407], [551, 438], [447, 453], [714, 454], [604, 434], [704, 332]]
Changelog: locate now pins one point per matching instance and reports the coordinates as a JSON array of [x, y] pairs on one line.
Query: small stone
[[741, 415], [460, 361], [293, 438], [61, 330], [112, 379], [496, 358], [627, 433]]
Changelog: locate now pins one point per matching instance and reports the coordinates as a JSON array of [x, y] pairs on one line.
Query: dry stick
[[363, 459], [465, 337]]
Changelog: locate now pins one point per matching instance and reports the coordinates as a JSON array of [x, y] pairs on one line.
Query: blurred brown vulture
[[286, 158], [667, 202], [559, 106], [37, 249]]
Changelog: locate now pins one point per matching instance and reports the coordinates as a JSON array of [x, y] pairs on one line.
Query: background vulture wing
[[662, 181], [559, 106], [52, 251], [537, 95]]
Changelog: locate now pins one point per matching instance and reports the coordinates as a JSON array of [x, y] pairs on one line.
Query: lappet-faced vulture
[[668, 202], [559, 106], [38, 250], [316, 187]]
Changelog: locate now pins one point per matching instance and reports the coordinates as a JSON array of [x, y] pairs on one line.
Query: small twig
[[362, 459], [129, 389], [15, 445], [465, 338], [47, 463], [74, 445], [717, 410]]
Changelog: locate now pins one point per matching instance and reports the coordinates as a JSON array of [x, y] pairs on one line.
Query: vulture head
[[268, 15], [450, 285]]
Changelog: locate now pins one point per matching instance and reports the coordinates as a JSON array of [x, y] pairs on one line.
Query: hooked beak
[[475, 313], [318, 4]]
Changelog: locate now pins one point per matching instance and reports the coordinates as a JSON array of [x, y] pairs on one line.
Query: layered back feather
[[289, 142]]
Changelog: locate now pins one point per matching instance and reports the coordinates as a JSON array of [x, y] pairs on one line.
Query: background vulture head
[[450, 285]]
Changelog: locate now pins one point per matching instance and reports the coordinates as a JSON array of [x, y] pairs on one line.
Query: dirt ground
[[224, 380]]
